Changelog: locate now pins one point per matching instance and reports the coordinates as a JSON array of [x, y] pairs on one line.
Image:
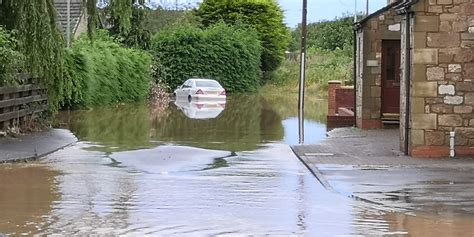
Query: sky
[[325, 9], [317, 9]]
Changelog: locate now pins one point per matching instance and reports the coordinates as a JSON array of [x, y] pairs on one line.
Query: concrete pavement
[[368, 165], [35, 145]]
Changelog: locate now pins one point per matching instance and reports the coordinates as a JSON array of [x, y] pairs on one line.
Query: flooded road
[[190, 169]]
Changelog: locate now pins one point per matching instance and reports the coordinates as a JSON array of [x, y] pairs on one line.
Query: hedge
[[229, 54], [266, 16], [103, 73]]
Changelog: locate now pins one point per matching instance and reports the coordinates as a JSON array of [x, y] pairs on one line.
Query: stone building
[[415, 65], [377, 67]]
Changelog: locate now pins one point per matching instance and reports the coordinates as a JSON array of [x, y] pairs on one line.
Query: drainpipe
[[407, 66], [354, 69]]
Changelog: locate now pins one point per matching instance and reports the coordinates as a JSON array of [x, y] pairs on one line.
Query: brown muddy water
[[191, 169]]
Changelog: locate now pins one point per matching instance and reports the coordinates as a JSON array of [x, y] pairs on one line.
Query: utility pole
[[355, 11], [302, 73], [367, 7], [68, 23]]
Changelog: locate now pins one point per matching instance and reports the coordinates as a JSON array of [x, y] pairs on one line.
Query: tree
[[265, 16], [42, 43], [162, 18], [121, 15], [39, 40], [326, 35], [139, 36]]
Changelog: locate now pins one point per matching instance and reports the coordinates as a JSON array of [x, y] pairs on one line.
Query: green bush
[[229, 54], [103, 73], [265, 16], [321, 67], [326, 35], [11, 61]]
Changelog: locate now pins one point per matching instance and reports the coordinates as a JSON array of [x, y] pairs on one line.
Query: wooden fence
[[20, 104]]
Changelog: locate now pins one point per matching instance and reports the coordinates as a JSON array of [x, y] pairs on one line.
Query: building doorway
[[390, 81]]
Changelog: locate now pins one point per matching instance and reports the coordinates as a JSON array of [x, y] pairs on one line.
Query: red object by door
[[391, 76]]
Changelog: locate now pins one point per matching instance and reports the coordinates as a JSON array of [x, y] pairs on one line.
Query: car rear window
[[207, 84]]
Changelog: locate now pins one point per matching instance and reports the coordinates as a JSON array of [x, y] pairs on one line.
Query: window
[[212, 84]]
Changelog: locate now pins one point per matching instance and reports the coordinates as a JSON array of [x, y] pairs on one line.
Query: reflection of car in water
[[201, 109]]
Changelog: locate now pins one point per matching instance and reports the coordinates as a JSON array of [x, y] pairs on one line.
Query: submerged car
[[199, 89]]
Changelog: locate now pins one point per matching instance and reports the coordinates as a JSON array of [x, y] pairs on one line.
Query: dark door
[[391, 76]]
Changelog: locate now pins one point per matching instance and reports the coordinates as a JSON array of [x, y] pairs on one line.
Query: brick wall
[[442, 77], [345, 98], [332, 87], [340, 105]]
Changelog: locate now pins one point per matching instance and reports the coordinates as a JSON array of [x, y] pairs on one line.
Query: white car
[[199, 89]]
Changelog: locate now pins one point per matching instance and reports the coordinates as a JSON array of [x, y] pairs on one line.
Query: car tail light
[[223, 92], [199, 92]]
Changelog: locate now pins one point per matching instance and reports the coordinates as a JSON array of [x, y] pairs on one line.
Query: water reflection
[[246, 123], [201, 109], [146, 171]]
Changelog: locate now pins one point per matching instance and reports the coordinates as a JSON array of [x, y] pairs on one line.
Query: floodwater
[[187, 169]]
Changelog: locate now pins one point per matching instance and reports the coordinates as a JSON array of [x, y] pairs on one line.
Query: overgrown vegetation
[[11, 61], [229, 54], [39, 40], [329, 57], [326, 35], [265, 16], [139, 36], [321, 67], [121, 13], [92, 72], [104, 73]]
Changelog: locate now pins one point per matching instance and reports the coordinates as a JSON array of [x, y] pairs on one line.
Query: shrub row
[[103, 73], [229, 54]]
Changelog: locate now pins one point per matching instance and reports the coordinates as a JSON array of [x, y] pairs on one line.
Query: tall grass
[[322, 66]]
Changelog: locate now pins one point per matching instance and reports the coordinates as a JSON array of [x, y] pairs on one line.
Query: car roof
[[201, 79]]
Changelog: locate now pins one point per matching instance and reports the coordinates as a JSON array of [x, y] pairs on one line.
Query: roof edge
[[381, 10], [405, 4]]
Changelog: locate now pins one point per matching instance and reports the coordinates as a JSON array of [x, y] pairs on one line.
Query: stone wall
[[384, 26], [442, 77]]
